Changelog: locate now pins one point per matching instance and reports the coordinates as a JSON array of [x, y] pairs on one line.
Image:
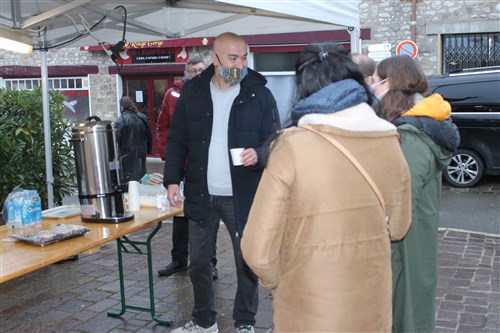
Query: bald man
[[367, 66], [226, 106]]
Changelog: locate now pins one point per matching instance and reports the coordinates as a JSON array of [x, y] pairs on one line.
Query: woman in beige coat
[[317, 233]]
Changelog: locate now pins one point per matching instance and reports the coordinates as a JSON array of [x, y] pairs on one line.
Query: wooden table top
[[18, 258]]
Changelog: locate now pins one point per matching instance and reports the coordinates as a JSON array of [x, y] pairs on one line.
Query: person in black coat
[[227, 106], [134, 139]]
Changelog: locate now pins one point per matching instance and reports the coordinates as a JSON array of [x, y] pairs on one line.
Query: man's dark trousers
[[202, 239], [180, 241]]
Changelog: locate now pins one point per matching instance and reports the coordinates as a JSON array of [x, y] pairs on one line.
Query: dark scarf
[[334, 97]]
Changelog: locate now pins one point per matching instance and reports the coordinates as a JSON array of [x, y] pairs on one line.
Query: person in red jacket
[[194, 66], [180, 236]]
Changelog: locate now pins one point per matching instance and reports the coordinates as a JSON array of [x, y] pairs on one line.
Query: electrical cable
[[113, 51], [72, 39], [120, 44], [124, 21], [91, 34], [118, 47]]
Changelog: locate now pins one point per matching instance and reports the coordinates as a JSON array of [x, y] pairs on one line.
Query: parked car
[[475, 99]]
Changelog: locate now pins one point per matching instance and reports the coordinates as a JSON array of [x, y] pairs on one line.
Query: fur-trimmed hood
[[359, 118]]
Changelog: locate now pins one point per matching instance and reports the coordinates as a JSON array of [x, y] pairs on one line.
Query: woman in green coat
[[427, 137]]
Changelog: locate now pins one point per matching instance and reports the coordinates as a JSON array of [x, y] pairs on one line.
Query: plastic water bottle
[[26, 209], [14, 219], [162, 199], [37, 208], [181, 189]]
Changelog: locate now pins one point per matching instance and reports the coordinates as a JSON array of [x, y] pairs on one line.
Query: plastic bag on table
[[59, 233]]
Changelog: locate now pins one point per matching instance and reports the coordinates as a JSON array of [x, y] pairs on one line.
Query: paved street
[[75, 296], [470, 211], [476, 208]]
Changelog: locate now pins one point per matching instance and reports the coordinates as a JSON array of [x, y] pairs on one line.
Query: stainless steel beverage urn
[[100, 191]]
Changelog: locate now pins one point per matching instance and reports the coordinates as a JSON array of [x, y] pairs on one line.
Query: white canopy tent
[[62, 23], [58, 23]]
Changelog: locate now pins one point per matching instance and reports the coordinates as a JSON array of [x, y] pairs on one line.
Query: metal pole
[[355, 34], [413, 22], [46, 129]]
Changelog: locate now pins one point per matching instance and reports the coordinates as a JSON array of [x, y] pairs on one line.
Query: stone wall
[[103, 95], [103, 92], [389, 21]]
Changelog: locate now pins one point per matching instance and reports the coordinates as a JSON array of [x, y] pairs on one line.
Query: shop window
[[476, 50]]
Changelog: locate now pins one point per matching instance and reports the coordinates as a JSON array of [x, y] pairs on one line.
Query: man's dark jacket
[[253, 118]]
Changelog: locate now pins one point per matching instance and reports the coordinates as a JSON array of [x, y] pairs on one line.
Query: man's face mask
[[232, 76]]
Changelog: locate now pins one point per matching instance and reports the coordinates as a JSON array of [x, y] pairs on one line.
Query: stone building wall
[[389, 21], [103, 92], [104, 89]]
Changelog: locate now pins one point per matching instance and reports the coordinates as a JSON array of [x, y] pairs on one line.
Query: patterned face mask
[[232, 76]]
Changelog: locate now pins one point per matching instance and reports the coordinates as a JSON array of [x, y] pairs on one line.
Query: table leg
[[122, 246]]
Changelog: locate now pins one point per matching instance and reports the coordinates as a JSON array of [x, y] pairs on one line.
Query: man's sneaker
[[172, 268], [215, 272], [245, 329], [191, 327]]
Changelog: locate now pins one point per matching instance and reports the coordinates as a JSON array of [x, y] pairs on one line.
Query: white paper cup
[[235, 156], [134, 203]]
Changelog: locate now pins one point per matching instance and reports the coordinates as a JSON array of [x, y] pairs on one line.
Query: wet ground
[[76, 296]]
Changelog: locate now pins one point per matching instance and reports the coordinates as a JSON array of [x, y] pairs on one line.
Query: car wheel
[[465, 169]]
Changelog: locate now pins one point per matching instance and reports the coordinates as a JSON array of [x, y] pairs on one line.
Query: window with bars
[[476, 50], [67, 83]]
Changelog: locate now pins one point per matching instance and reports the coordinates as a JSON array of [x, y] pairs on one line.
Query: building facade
[[449, 35]]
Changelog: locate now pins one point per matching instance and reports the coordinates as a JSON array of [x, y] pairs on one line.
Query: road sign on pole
[[408, 48], [379, 56], [385, 47]]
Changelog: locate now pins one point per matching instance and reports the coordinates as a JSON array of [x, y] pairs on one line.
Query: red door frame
[[149, 99]]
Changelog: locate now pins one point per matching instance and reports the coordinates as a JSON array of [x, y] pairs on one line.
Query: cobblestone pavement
[[75, 296], [468, 292]]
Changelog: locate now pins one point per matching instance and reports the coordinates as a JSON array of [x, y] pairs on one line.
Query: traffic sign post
[[385, 47], [407, 48], [379, 56]]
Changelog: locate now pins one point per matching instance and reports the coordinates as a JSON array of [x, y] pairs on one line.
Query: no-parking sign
[[407, 48]]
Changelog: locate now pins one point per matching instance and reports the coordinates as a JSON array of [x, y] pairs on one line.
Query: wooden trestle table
[[18, 258]]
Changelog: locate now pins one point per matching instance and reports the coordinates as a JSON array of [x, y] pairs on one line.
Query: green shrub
[[22, 146]]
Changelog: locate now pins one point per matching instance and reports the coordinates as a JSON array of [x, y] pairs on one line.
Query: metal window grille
[[461, 51]]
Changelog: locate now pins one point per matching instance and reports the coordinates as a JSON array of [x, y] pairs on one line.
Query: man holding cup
[[227, 106]]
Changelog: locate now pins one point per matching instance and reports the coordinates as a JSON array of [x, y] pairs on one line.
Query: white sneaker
[[245, 329], [191, 327]]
